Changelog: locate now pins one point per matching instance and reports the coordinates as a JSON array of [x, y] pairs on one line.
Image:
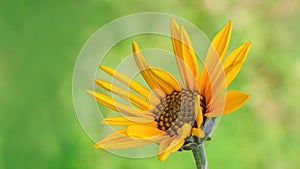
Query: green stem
[[200, 157]]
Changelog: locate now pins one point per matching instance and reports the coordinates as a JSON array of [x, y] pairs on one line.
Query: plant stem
[[200, 157]]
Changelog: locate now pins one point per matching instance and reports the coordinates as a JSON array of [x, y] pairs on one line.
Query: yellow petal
[[188, 53], [176, 144], [218, 83], [114, 136], [127, 121], [143, 131], [119, 106], [185, 56], [134, 99], [234, 100], [119, 140], [198, 110], [143, 65], [156, 78], [153, 99], [221, 40], [169, 146], [204, 84], [211, 78], [128, 82], [212, 65], [176, 38], [184, 131], [163, 154], [217, 103], [176, 42], [198, 132], [165, 80], [234, 62]]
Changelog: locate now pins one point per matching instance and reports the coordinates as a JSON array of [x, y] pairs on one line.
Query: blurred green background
[[39, 44]]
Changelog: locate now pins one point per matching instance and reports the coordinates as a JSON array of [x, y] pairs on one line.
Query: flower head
[[174, 114]]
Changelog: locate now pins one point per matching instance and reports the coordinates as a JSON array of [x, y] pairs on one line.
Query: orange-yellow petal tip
[[174, 28], [135, 46], [103, 121], [99, 82], [249, 43], [103, 67], [97, 146], [247, 96], [173, 21], [229, 26], [163, 156], [181, 28], [90, 92]]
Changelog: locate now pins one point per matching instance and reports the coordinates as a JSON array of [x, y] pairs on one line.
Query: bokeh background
[[39, 44]]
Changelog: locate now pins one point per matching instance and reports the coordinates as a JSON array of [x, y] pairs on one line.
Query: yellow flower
[[173, 112]]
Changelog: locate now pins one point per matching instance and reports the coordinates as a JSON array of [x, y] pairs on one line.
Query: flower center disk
[[175, 110]]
